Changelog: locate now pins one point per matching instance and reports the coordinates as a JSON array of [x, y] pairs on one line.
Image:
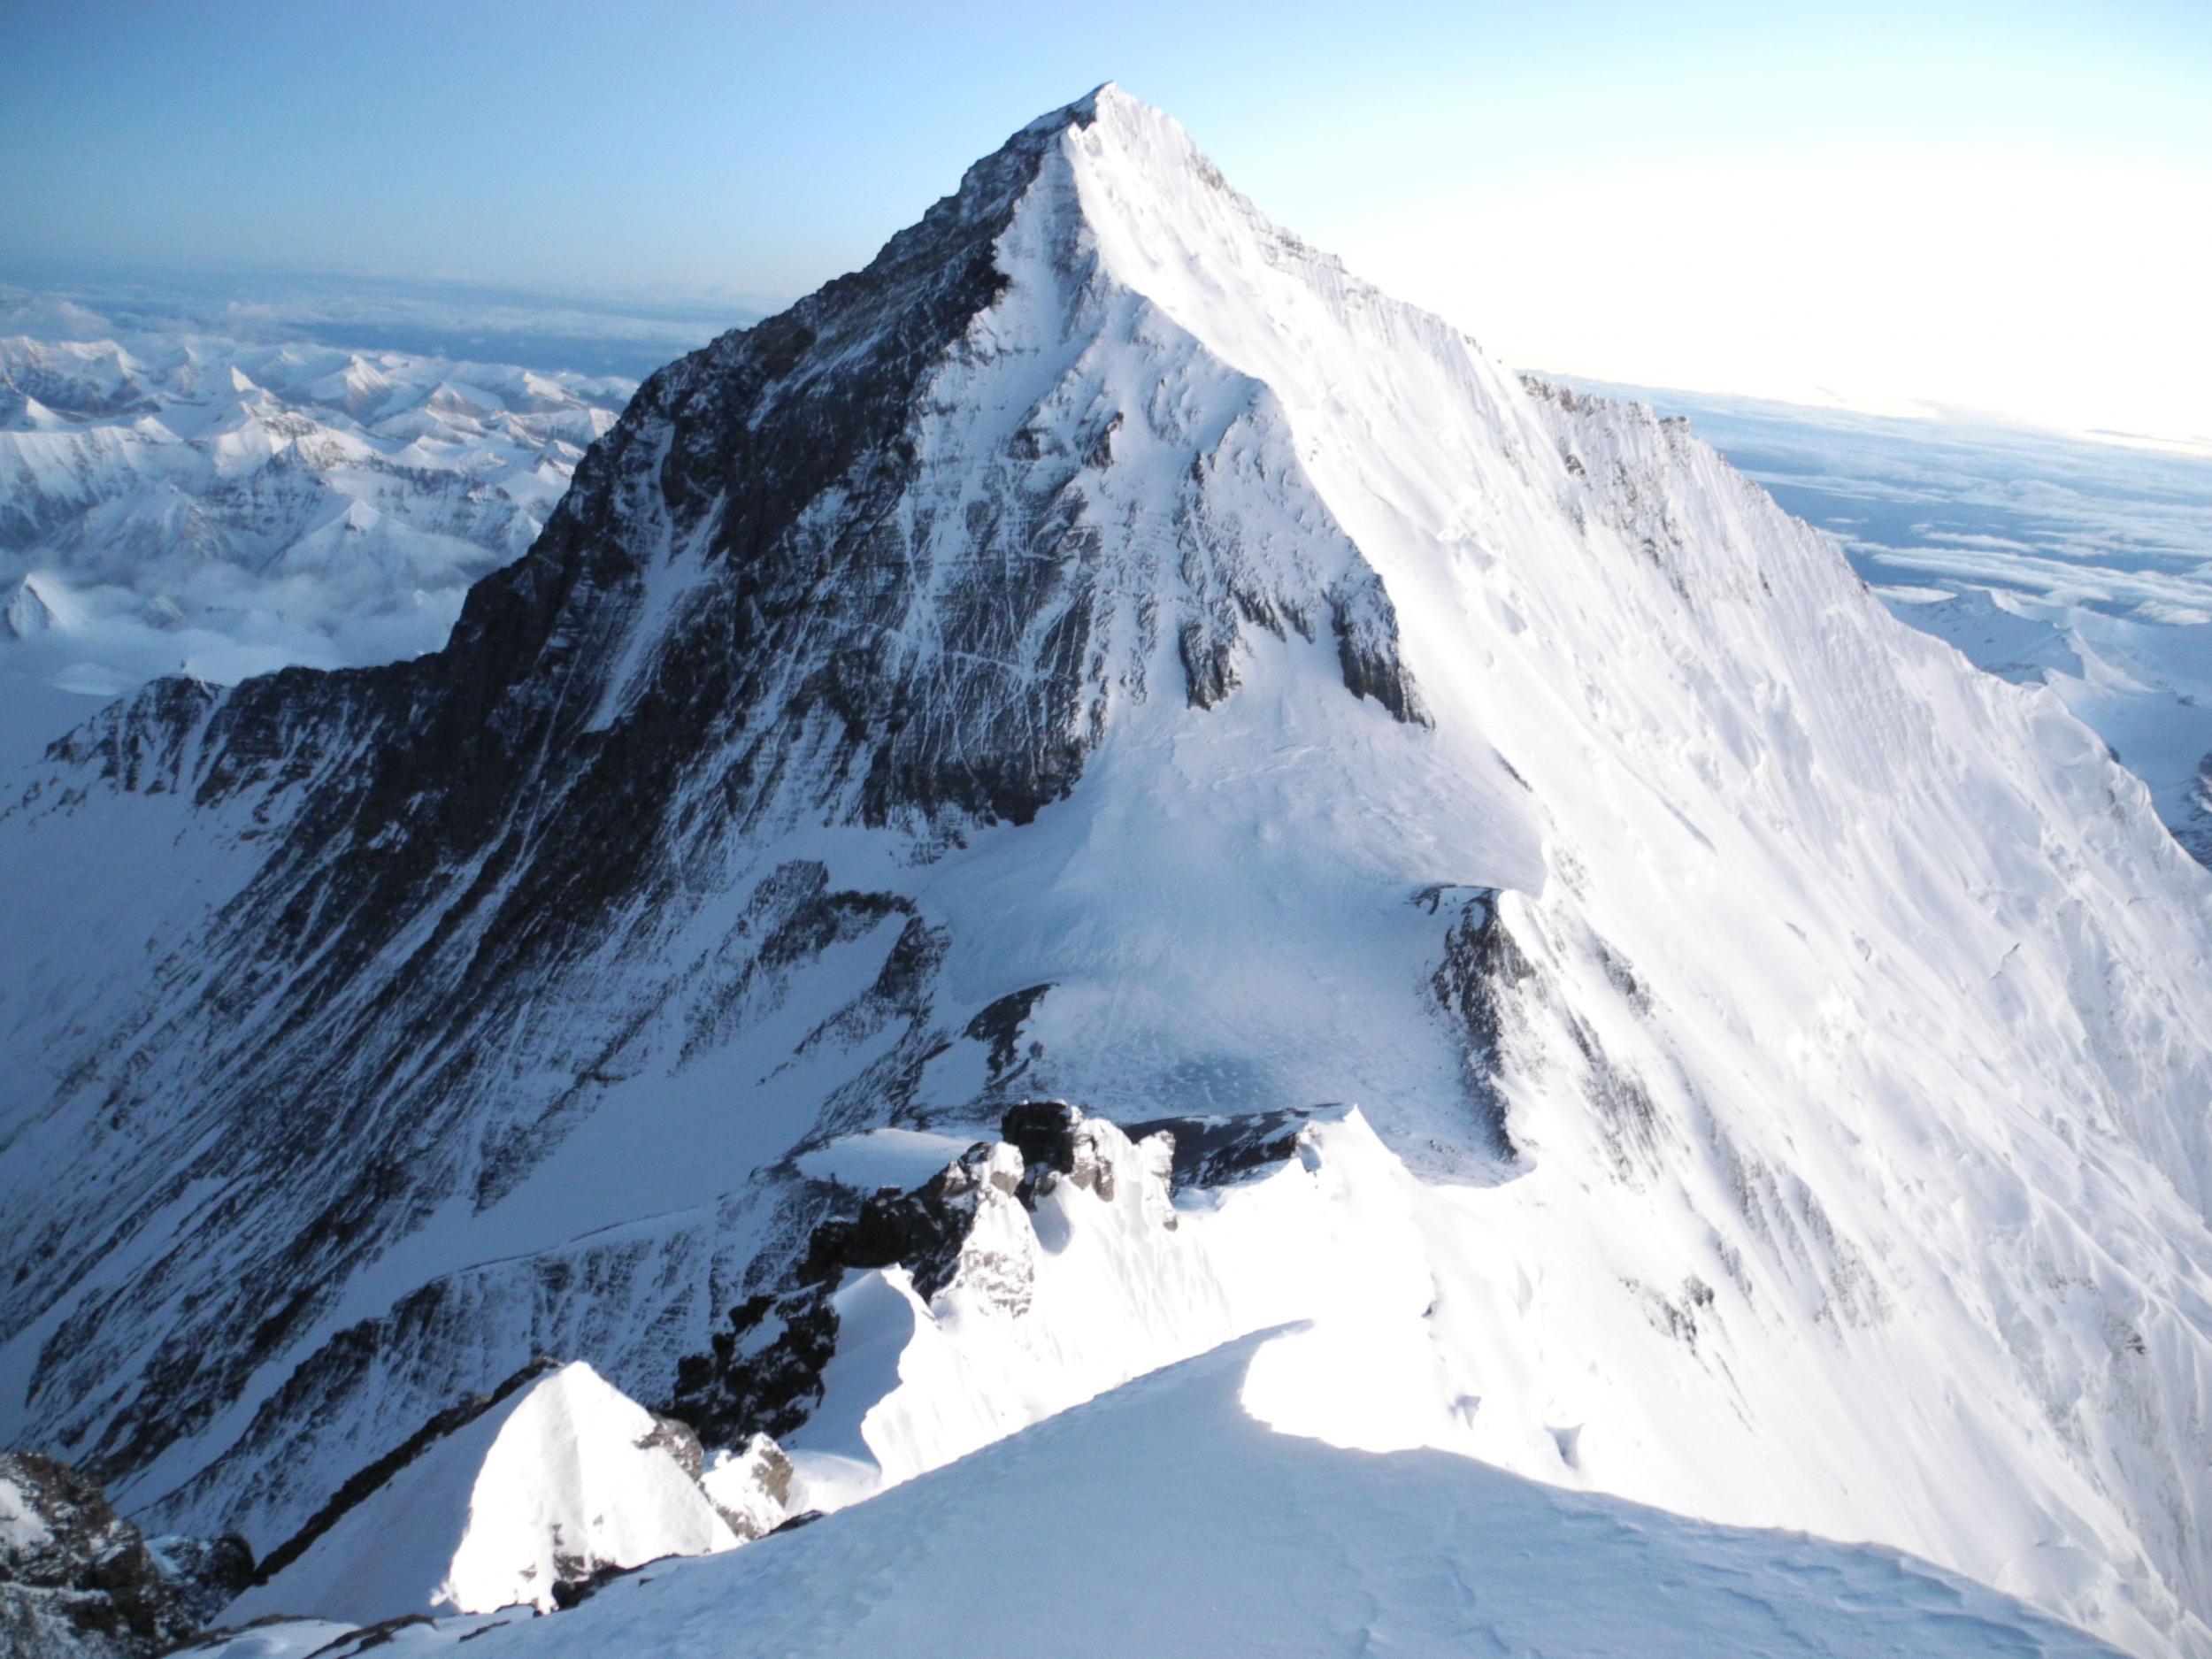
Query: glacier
[[1104, 652]]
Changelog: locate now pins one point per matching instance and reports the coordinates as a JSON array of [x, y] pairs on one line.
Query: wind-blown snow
[[2086, 566], [1441, 1316]]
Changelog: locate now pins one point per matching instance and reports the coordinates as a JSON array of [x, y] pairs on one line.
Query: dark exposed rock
[[763, 1374], [1209, 670], [1367, 651], [208, 1572], [1000, 1026], [1043, 1132], [1679, 1316], [1214, 1151], [792, 916], [680, 1440], [921, 1230], [75, 1578], [574, 1592], [752, 1492], [1481, 968], [422, 796], [1623, 978], [405, 1006], [1625, 1114], [139, 743]]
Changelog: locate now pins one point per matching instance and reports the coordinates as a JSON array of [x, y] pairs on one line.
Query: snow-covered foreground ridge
[[1162, 1520], [1104, 650]]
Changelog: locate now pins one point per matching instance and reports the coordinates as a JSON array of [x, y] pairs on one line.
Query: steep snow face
[[2083, 565], [1104, 650], [1165, 1519], [564, 1478]]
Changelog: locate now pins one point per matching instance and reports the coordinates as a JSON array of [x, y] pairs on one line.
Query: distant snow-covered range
[[2046, 558], [182, 501]]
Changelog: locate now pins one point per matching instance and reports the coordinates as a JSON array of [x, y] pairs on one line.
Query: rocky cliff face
[[1103, 650], [78, 1582]]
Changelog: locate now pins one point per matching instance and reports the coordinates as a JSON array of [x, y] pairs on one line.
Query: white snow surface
[[550, 1483], [1416, 1339], [2082, 564], [1860, 1083], [21, 1526], [888, 1157], [1165, 1519]]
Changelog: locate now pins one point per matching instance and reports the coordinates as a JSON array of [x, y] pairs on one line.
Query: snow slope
[[2086, 566], [562, 1477], [1164, 1519], [1105, 650]]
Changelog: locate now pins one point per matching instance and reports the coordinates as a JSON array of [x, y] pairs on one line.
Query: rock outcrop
[[78, 1582]]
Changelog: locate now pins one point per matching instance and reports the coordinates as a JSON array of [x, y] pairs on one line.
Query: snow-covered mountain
[[1104, 652], [183, 499], [1164, 1519], [2051, 560]]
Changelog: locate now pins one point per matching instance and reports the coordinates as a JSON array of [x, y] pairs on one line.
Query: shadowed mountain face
[[1103, 650]]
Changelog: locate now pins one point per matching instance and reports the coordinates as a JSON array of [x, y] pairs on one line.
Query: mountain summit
[[1104, 652]]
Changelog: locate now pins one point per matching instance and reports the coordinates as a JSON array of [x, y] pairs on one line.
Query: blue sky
[[1764, 198]]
